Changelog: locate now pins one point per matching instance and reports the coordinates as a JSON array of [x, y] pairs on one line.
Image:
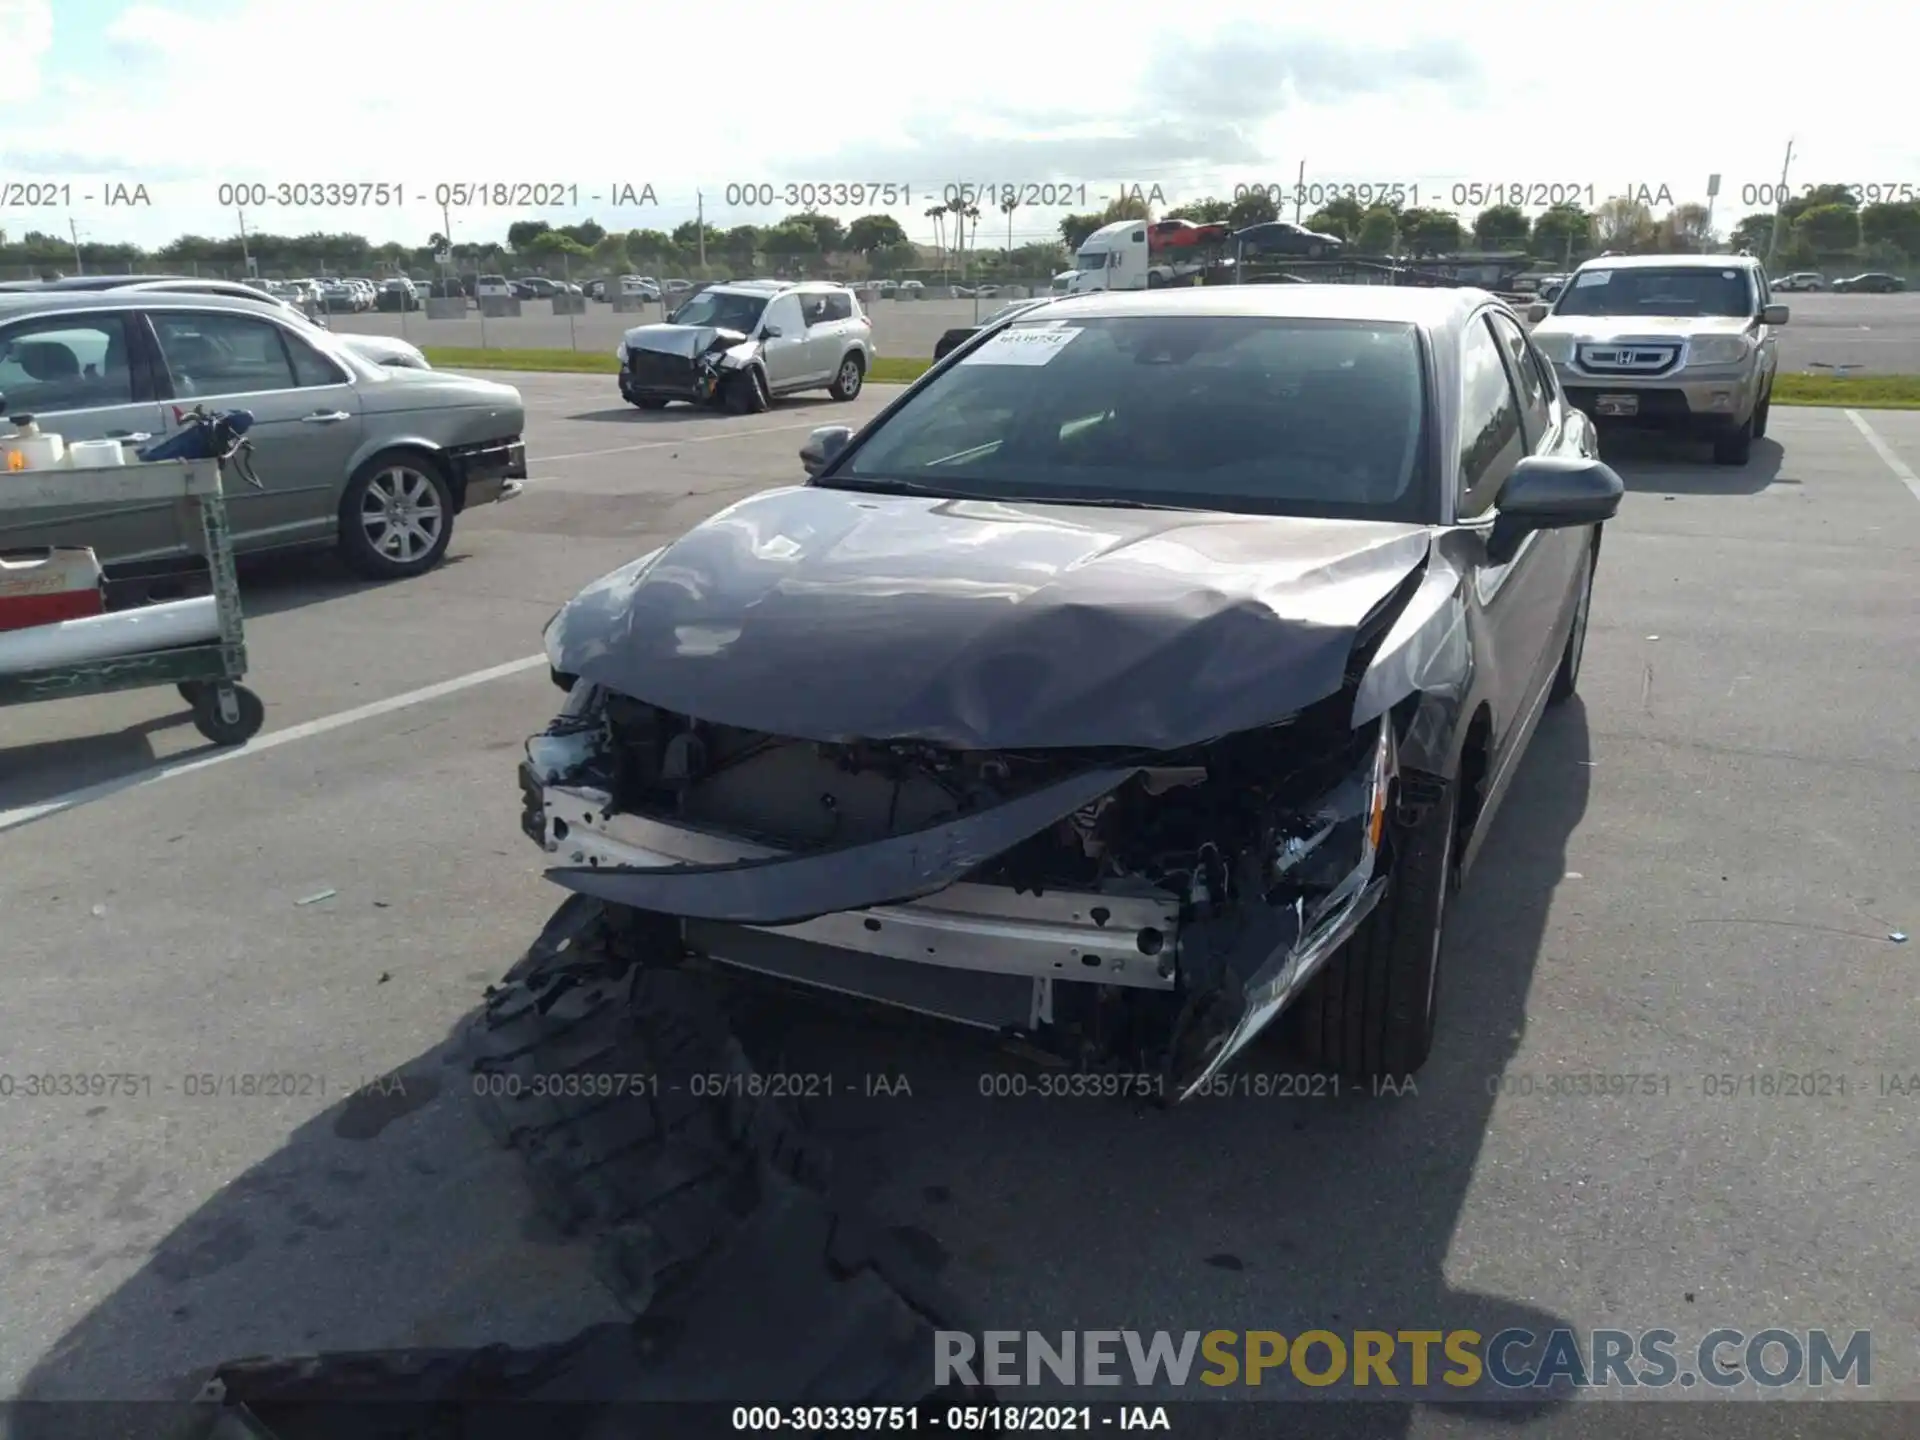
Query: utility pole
[[246, 256], [1780, 202], [700, 224], [73, 229], [1299, 191]]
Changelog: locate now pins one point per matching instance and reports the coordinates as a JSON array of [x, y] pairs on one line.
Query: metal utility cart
[[207, 675]]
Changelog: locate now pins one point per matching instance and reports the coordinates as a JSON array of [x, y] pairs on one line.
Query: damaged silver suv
[[743, 344], [1152, 667]]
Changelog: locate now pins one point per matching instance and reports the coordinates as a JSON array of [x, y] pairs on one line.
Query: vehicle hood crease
[[832, 615]]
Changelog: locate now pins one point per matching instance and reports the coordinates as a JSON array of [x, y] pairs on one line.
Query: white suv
[[1676, 342]]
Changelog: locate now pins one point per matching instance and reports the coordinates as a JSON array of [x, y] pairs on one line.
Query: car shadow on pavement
[[1660, 465], [389, 1219]]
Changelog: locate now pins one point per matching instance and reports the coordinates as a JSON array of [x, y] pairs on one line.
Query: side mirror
[[1773, 315], [1551, 492], [822, 446], [1537, 311], [769, 332]]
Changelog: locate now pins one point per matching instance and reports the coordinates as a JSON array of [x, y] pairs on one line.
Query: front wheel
[[1369, 1014], [1736, 446], [396, 519], [746, 393], [848, 380]]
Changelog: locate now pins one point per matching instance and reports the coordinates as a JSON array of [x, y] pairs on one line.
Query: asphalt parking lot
[[1844, 334], [1697, 875]]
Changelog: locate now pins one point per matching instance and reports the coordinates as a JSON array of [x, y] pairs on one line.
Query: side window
[[310, 367], [1536, 408], [1490, 441], [65, 362], [813, 308], [839, 306], [785, 312], [213, 353]]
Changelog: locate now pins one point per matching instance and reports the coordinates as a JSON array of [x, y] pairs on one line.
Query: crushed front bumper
[[905, 930], [489, 473]]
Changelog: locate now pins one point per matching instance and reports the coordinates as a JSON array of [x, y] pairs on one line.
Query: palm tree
[[971, 214], [938, 214], [1009, 204]]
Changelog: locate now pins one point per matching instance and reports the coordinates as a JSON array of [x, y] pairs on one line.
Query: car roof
[[1432, 308], [18, 302], [1669, 262]]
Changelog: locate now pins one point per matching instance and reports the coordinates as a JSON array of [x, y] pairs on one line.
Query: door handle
[[134, 437], [325, 417]]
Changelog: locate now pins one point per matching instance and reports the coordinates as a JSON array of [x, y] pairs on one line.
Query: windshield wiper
[[892, 487]]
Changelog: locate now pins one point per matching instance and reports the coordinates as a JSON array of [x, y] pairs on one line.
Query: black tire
[[1761, 412], [654, 404], [190, 690], [208, 720], [1566, 679], [851, 375], [746, 393], [1369, 1014], [1735, 447], [394, 481], [615, 1076]]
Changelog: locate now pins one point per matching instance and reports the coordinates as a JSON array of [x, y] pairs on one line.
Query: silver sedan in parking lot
[[374, 459]]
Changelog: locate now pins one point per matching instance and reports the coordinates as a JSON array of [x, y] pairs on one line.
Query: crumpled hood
[[684, 340], [1603, 328], [836, 615], [382, 349]]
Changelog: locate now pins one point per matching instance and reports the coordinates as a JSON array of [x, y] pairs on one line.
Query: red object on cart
[[48, 585]]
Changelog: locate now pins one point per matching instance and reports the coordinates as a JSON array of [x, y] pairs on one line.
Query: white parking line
[[670, 444], [1901, 470], [306, 730]]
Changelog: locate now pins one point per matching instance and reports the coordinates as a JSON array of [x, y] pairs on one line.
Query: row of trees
[[1826, 226]]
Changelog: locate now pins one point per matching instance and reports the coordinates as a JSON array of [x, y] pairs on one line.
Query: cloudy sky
[[592, 99]]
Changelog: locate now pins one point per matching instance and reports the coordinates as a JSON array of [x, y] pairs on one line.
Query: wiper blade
[[890, 487]]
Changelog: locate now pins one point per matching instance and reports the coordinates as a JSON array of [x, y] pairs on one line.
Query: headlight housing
[[1718, 350], [1557, 348]]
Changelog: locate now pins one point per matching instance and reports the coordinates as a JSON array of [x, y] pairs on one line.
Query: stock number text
[[812, 195], [295, 194], [1313, 196], [1866, 192]]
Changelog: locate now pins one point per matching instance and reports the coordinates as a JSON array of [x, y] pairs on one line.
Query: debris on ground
[[317, 898]]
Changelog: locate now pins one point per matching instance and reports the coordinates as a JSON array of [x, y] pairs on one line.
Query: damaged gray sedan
[[1150, 669]]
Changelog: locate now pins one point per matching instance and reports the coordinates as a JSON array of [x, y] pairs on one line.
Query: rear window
[[1264, 415]]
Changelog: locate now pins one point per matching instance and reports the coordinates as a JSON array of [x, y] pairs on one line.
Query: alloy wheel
[[402, 514]]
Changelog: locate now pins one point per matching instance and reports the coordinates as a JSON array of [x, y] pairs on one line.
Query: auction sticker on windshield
[[1023, 345]]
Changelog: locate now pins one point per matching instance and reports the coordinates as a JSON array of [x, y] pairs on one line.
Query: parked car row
[[1871, 282], [388, 350]]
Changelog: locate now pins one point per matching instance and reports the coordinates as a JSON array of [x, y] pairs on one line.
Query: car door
[[306, 415], [1549, 427], [1516, 601], [83, 375], [786, 354]]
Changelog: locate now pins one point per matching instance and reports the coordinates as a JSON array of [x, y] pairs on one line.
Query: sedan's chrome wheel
[[402, 514]]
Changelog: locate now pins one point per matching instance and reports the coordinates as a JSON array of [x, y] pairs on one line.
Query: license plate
[[1618, 404]]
